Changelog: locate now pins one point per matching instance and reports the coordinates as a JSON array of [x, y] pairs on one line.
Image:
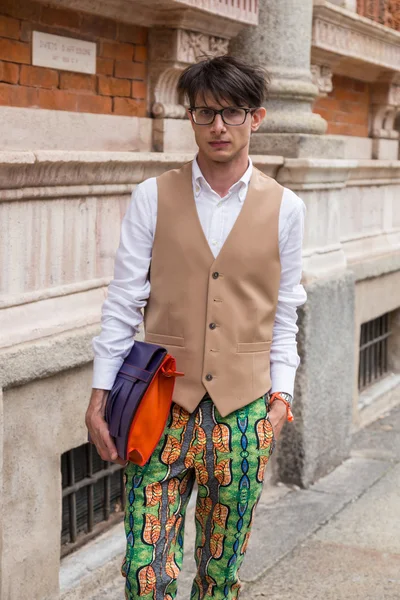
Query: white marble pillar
[[282, 43]]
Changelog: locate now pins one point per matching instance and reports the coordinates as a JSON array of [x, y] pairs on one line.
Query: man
[[224, 245]]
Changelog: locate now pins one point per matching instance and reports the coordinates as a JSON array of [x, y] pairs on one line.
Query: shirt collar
[[242, 184]]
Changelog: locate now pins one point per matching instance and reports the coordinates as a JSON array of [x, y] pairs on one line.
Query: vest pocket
[[254, 347], [168, 340]]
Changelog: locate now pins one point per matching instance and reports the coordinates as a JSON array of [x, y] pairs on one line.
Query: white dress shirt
[[130, 288]]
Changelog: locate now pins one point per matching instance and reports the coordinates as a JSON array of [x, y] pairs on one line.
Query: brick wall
[[346, 108], [119, 85]]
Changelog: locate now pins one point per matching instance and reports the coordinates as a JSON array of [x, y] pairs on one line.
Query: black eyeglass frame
[[219, 112]]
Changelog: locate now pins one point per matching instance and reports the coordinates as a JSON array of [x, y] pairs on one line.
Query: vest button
[[212, 325], [215, 275], [209, 377]]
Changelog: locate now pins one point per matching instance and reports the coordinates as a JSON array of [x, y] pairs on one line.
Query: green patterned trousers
[[227, 457]]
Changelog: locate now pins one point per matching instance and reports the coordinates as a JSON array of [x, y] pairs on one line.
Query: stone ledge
[[45, 357], [358, 148], [378, 399], [66, 191], [73, 168], [371, 394], [297, 145], [44, 168], [320, 173], [99, 557], [116, 170], [25, 322], [372, 172], [208, 16], [376, 266], [48, 356], [315, 173], [53, 292], [39, 128]]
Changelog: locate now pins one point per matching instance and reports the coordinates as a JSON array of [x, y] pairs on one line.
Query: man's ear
[[257, 117]]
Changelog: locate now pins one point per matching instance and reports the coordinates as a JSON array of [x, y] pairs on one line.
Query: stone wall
[[57, 261], [352, 237], [43, 419], [119, 86], [62, 212]]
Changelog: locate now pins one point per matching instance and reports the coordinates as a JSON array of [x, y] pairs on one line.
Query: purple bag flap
[[131, 383], [117, 400]]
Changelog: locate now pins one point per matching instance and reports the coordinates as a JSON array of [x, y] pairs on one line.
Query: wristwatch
[[287, 399]]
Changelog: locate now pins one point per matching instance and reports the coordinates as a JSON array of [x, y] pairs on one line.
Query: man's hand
[[277, 416], [98, 428]]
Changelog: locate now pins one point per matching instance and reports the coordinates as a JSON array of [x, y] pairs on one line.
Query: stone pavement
[[355, 554], [338, 540]]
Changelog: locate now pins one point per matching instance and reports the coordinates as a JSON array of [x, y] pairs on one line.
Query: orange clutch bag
[[139, 402]]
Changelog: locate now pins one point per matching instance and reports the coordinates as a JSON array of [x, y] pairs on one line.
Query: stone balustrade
[[244, 11], [219, 17], [386, 12]]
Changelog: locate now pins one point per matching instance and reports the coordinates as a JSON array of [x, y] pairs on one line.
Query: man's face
[[220, 142]]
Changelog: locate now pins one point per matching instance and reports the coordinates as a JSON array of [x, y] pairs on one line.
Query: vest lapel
[[191, 209]]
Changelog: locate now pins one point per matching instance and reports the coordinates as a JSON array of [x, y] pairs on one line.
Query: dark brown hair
[[225, 78]]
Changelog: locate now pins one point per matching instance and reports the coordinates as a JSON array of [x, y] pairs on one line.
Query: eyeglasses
[[231, 115]]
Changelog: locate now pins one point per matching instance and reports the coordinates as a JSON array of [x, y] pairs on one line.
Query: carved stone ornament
[[322, 78], [171, 51], [218, 46], [342, 40], [385, 110], [345, 41]]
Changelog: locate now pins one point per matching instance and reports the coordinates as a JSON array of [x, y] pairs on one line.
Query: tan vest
[[215, 316]]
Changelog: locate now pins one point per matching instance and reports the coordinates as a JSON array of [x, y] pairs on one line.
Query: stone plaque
[[65, 53]]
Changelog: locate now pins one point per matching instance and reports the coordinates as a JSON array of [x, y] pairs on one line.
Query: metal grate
[[373, 351], [93, 496]]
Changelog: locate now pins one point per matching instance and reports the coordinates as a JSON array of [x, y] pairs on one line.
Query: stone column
[[385, 111], [319, 439], [282, 43]]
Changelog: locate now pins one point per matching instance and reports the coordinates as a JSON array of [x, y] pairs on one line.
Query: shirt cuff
[[282, 377], [105, 371]]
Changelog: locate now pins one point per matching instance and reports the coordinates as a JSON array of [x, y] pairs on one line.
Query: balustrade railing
[[386, 12], [245, 11]]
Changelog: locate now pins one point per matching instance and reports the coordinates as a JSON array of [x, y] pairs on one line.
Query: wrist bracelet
[[281, 396]]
